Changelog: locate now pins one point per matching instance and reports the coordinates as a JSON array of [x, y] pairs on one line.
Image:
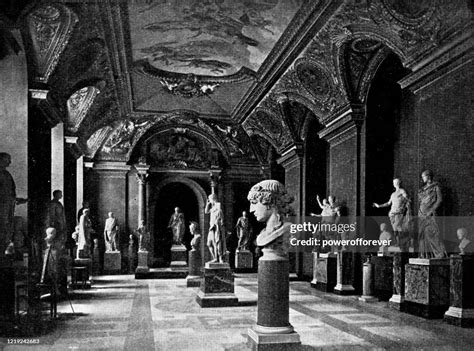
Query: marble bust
[[270, 203], [194, 230], [466, 245]]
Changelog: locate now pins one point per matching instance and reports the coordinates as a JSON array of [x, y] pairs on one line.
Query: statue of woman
[[270, 203], [177, 226], [399, 214], [143, 236], [216, 235], [84, 236], [429, 199]]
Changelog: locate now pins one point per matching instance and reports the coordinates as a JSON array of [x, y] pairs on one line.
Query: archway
[[169, 193]]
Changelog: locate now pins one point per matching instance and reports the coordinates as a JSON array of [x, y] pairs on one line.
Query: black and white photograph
[[238, 175]]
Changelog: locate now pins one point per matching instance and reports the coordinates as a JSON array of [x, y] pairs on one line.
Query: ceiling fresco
[[207, 37]]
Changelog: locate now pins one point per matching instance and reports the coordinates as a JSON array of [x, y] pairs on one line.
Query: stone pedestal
[[461, 287], [345, 274], [142, 266], [112, 262], [96, 261], [397, 301], [324, 271], [194, 272], [217, 286], [367, 283], [178, 257], [427, 287], [273, 330], [383, 275], [79, 283], [243, 261]]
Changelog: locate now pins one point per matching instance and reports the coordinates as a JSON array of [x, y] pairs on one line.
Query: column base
[[368, 299], [344, 289], [216, 299], [461, 317], [193, 281], [272, 341], [397, 302]]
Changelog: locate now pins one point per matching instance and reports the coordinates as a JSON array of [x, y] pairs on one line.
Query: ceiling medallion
[[188, 87]]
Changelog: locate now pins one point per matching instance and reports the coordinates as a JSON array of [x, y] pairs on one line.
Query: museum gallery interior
[[236, 175]]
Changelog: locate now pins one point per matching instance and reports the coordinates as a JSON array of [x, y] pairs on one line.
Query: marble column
[[461, 287], [142, 174], [273, 329], [368, 283], [293, 162], [345, 273], [400, 259], [57, 158], [79, 183]]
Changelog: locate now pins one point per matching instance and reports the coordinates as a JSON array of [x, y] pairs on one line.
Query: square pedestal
[[324, 271], [271, 342], [178, 258], [142, 262], [80, 273], [383, 276], [345, 274], [427, 287], [217, 286], [243, 261], [461, 287], [112, 262]]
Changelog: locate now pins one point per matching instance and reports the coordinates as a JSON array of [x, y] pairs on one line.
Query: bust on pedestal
[[194, 257], [217, 283], [270, 203]]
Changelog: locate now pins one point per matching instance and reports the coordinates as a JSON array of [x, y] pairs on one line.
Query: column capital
[[291, 155], [111, 166], [142, 168], [141, 178]]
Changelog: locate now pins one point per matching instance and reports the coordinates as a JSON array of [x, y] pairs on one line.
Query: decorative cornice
[[308, 20], [39, 94], [111, 166]]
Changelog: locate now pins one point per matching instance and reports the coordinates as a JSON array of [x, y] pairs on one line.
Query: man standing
[[216, 235], [110, 233], [244, 231]]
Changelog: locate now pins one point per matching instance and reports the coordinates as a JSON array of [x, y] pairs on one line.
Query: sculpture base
[[461, 317], [383, 276], [427, 287], [142, 263], [162, 273], [243, 261], [80, 274], [397, 302], [112, 262], [193, 281], [258, 341], [344, 289], [217, 286], [324, 272], [368, 299]]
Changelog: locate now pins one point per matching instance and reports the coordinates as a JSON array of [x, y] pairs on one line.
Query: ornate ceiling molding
[[50, 27], [78, 105]]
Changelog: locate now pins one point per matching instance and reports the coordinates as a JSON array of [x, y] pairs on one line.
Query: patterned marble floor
[[121, 313]]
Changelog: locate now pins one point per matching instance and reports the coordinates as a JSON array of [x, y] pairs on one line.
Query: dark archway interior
[[382, 131], [171, 196], [317, 151]]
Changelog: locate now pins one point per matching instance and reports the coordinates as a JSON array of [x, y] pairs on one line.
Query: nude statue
[[270, 203], [399, 214], [56, 218], [177, 226], [216, 236], [429, 199], [111, 229], [244, 232]]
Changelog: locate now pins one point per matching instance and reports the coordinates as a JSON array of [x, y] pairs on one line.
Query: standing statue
[[216, 236], [270, 203], [399, 214], [111, 230], [177, 226], [84, 235], [8, 200], [244, 232], [429, 199], [196, 241], [143, 237], [56, 218]]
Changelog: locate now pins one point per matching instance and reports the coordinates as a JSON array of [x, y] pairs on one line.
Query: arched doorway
[[169, 193]]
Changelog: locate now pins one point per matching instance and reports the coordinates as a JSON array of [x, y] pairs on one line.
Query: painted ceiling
[[207, 37]]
